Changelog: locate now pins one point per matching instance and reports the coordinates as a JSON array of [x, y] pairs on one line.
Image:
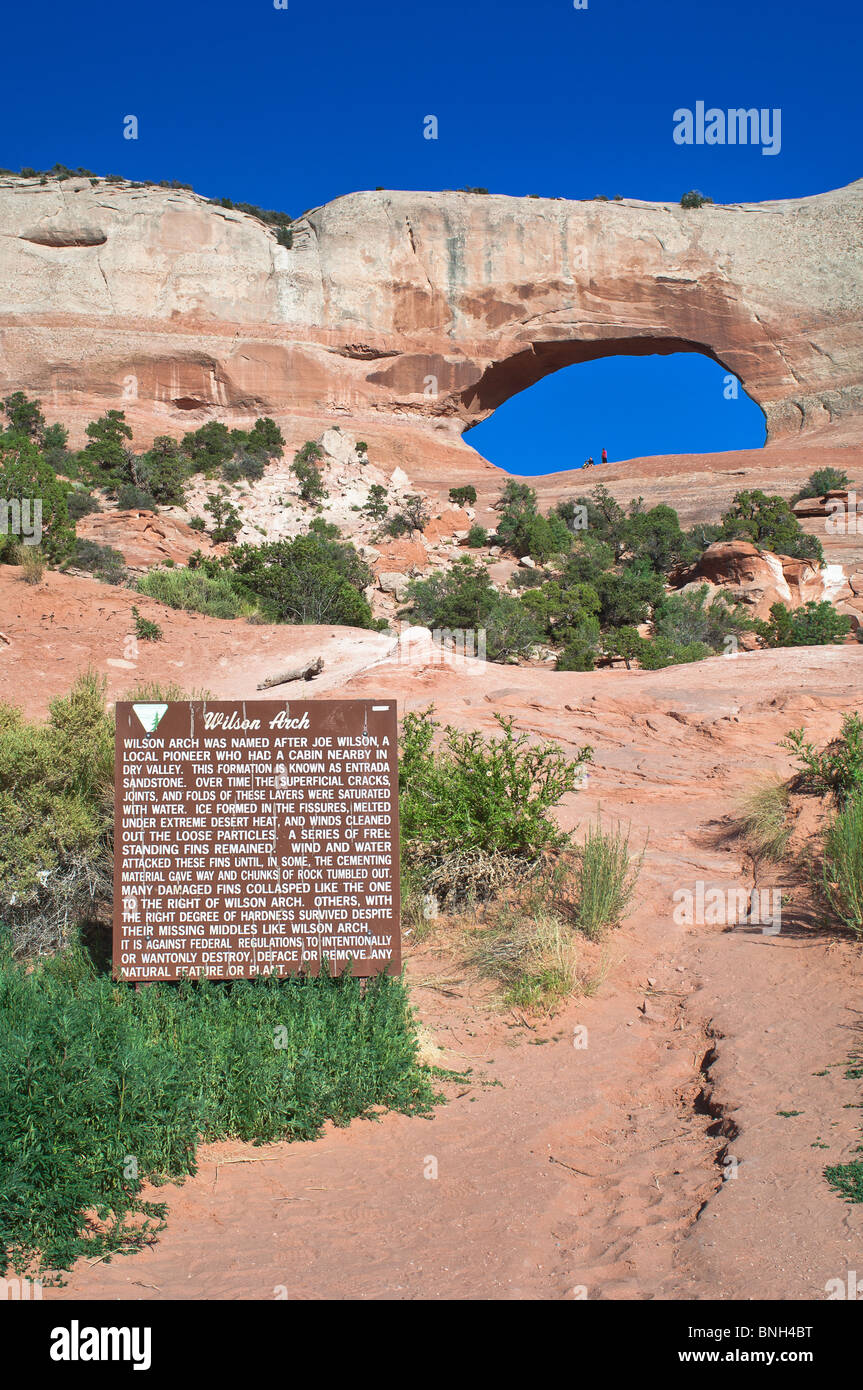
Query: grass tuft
[[607, 876], [764, 819]]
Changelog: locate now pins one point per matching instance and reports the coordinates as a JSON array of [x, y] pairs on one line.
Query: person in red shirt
[[605, 456]]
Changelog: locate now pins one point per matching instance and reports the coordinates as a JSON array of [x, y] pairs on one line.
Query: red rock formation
[[760, 578], [430, 308], [144, 540]]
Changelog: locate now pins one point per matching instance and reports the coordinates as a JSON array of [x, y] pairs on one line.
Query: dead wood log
[[295, 673]]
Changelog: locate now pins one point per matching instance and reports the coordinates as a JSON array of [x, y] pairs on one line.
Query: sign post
[[255, 837]]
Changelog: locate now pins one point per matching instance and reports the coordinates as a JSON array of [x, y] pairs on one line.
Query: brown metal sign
[[255, 837]]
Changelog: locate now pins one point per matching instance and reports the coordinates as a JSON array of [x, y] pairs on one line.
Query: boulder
[[391, 582], [144, 539], [759, 578]]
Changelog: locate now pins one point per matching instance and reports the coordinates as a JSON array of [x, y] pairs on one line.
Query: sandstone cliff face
[[423, 309]]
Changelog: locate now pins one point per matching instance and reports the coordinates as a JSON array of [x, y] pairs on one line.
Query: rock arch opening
[[642, 399]]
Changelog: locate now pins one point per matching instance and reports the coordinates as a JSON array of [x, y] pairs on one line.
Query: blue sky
[[289, 108]]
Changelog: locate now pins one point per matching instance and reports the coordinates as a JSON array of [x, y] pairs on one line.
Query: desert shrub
[[472, 791], [145, 629], [464, 598], [477, 537], [208, 448], [606, 880], [524, 531], [25, 477], [80, 503], [310, 579], [606, 519], [398, 525], [564, 613], [581, 648], [463, 496], [56, 811], [769, 522], [684, 618], [25, 416], [659, 652], [94, 1071], [510, 630], [162, 471], [265, 437], [815, 624], [102, 561], [694, 199], [306, 470], [530, 950], [135, 499], [195, 591], [413, 515], [627, 597], [587, 560], [654, 538], [842, 866], [837, 769], [375, 506], [822, 481], [764, 821], [32, 563], [106, 455], [227, 522], [461, 597]]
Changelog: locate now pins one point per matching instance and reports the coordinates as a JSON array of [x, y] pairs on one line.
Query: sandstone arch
[[422, 310]]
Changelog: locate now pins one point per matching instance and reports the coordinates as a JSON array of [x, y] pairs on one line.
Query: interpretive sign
[[255, 837]]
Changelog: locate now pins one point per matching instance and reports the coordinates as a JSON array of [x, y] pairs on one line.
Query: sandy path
[[596, 1169]]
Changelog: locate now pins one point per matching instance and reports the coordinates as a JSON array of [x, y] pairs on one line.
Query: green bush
[[375, 506], [694, 199], [95, 1072], [163, 472], [145, 629], [310, 579], [463, 496], [227, 522], [56, 811], [684, 618], [25, 416], [627, 597], [769, 522], [208, 448], [654, 538], [463, 598], [25, 477], [102, 561], [660, 652], [494, 794], [523, 531], [812, 625], [106, 455], [195, 591], [134, 499], [842, 867], [306, 470], [836, 769], [477, 537], [822, 481]]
